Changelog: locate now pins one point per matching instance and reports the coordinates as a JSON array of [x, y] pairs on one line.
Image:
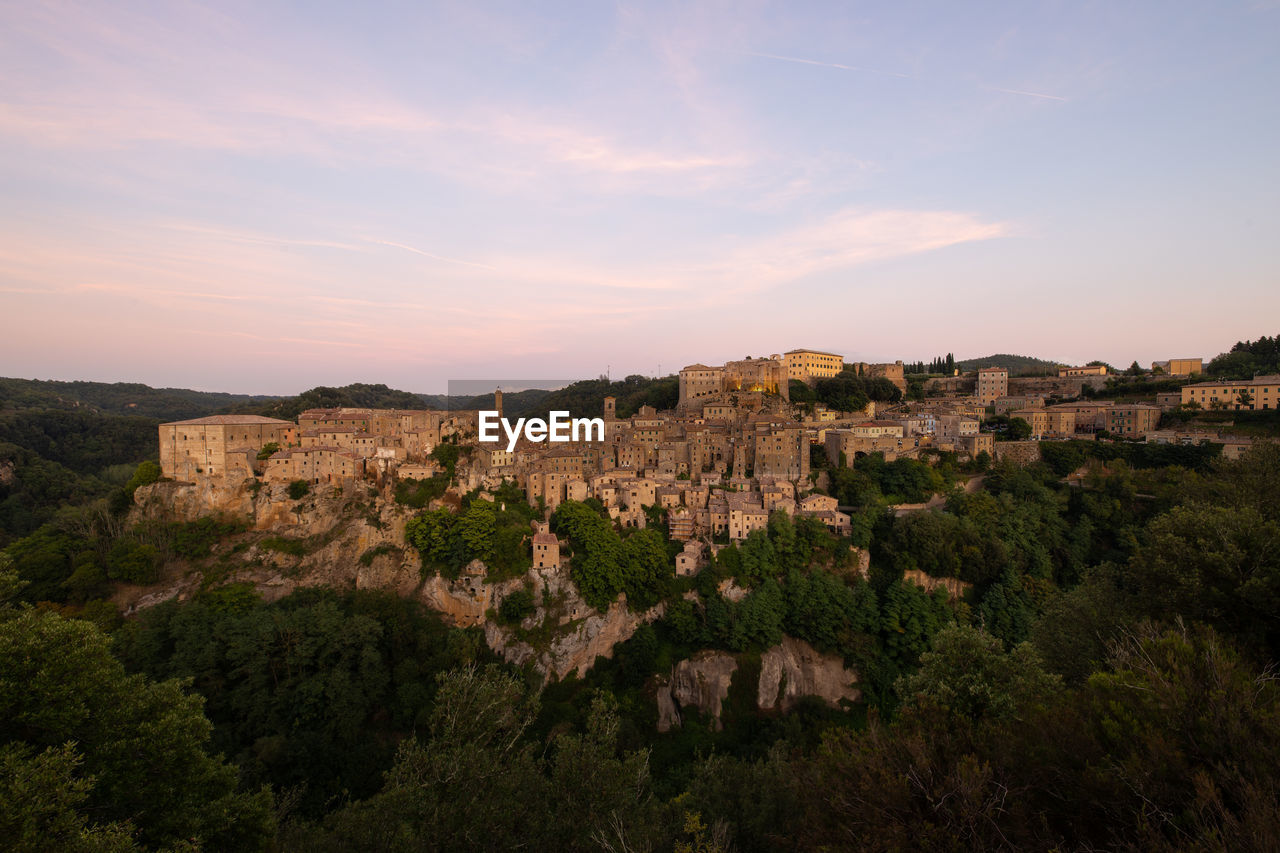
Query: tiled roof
[[230, 420]]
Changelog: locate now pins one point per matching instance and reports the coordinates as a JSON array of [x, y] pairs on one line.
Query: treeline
[[1247, 359], [1134, 387], [586, 398], [118, 398], [1017, 365], [845, 392], [357, 395], [944, 364], [1064, 457]]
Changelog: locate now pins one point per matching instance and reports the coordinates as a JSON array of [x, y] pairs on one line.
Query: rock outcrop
[[461, 602], [955, 587], [578, 633], [788, 672], [795, 669], [701, 682]]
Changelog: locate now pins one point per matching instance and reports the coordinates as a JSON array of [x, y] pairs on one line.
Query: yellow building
[[809, 365], [1260, 392], [1132, 419], [1180, 366], [993, 383], [1086, 370]]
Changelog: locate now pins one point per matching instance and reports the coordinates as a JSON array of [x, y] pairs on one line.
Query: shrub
[[516, 607], [293, 547], [298, 489], [367, 558]]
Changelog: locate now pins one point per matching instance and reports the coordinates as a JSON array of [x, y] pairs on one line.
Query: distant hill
[[356, 396], [1015, 364], [584, 399], [362, 396], [118, 398]]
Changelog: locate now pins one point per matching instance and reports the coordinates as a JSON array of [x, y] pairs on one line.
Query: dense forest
[[119, 398]]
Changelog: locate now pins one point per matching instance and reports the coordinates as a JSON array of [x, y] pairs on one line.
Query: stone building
[[753, 375], [993, 383], [809, 365], [219, 445], [690, 559], [546, 548], [315, 465], [1132, 420], [781, 451]]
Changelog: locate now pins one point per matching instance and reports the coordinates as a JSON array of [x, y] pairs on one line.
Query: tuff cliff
[[332, 538], [789, 672]]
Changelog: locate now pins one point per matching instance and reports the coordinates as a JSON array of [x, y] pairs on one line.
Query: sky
[[263, 197]]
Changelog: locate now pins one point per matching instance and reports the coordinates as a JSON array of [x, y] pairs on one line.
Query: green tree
[[597, 564], [1220, 565], [43, 804], [647, 570], [909, 619], [139, 746], [147, 473], [475, 783], [1192, 738], [968, 672], [516, 606], [1019, 430]]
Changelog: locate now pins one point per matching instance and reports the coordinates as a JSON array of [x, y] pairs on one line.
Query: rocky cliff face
[[570, 634], [701, 682], [795, 669], [336, 530], [955, 587], [355, 539], [174, 501], [788, 672]]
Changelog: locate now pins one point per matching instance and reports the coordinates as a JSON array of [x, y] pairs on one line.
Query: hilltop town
[[735, 448], [746, 440]]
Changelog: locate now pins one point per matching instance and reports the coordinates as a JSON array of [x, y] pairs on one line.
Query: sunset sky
[[264, 197]]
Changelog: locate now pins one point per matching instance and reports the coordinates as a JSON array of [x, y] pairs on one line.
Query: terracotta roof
[[230, 420]]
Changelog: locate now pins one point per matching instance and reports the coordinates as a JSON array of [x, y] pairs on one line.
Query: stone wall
[[1021, 452]]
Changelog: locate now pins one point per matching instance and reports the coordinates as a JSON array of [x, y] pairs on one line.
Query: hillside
[[1016, 364], [356, 395], [586, 398], [119, 398]]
